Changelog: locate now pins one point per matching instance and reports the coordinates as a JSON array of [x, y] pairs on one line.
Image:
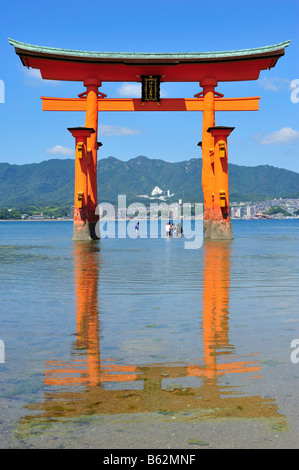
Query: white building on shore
[[157, 193]]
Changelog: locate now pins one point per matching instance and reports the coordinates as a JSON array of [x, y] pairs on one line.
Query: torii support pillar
[[91, 121], [220, 225], [208, 85], [84, 213]]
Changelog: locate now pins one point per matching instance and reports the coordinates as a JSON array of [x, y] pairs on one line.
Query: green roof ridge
[[147, 55]]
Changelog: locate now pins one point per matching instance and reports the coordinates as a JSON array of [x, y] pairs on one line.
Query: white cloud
[[129, 90], [275, 83], [116, 131], [285, 135], [32, 77], [163, 93], [35, 73], [59, 150]]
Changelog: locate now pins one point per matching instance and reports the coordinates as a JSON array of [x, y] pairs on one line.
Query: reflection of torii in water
[[92, 373]]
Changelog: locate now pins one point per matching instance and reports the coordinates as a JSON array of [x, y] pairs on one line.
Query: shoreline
[[33, 220], [128, 220]]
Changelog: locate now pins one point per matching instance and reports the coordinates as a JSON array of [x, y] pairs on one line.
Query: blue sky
[[269, 136]]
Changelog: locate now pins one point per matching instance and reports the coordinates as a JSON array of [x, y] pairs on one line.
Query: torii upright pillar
[[85, 216], [84, 227], [208, 85], [220, 223], [217, 224], [91, 121]]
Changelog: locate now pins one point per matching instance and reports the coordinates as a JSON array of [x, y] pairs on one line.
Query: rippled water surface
[[143, 327]]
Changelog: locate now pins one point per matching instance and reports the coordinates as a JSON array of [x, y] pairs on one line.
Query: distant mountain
[[52, 182]]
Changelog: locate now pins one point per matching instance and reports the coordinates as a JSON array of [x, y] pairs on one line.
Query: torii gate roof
[[73, 65]]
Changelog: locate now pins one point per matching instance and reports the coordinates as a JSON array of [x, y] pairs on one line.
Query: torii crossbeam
[[135, 104], [207, 68]]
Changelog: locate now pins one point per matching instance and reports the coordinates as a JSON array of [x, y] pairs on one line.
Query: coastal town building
[[157, 193], [276, 208]]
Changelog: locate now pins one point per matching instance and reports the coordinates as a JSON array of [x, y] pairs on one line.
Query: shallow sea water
[[181, 347]]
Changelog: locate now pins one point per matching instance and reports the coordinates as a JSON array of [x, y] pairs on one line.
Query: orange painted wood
[[91, 120], [221, 180], [208, 120], [166, 104]]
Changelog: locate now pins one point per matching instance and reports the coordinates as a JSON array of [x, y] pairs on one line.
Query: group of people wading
[[171, 230]]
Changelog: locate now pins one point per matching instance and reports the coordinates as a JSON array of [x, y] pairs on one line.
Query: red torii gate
[[207, 68]]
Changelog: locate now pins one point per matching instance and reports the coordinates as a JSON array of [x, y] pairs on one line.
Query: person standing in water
[[167, 230], [179, 230], [137, 229], [174, 230]]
